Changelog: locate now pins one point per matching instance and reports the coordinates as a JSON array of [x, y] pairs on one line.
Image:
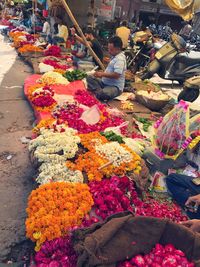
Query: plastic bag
[[91, 116], [172, 132], [194, 130], [185, 8]]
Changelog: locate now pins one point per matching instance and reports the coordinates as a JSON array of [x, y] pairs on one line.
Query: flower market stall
[[89, 167], [91, 205]]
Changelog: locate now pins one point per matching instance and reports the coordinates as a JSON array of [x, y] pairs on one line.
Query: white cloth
[[46, 28]]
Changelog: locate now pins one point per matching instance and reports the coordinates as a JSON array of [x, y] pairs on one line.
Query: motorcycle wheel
[[181, 82], [189, 95]]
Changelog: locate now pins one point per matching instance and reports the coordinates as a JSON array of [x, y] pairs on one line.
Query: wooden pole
[[81, 34]]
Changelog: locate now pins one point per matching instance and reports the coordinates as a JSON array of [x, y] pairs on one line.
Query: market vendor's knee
[[93, 83], [108, 93]]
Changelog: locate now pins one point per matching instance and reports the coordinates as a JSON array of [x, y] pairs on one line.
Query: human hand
[[193, 225], [193, 200], [98, 74]]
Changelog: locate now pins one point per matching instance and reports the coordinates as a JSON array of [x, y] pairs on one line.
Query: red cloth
[[69, 89]]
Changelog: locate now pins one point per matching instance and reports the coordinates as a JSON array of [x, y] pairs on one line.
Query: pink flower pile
[[43, 101], [72, 113], [160, 256], [30, 38], [55, 64], [53, 50], [44, 98], [111, 196], [85, 98], [119, 194], [56, 253]]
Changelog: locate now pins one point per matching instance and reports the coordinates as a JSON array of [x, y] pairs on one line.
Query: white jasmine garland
[[58, 173], [55, 147], [114, 152]]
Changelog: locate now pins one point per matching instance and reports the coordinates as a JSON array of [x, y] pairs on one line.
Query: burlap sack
[[123, 236]]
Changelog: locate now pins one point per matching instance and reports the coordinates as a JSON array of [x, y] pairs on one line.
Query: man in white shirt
[[46, 30], [110, 83]]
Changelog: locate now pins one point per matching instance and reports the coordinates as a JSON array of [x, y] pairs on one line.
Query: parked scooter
[[174, 62]]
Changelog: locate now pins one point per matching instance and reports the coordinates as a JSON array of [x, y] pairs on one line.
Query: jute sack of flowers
[[124, 236]]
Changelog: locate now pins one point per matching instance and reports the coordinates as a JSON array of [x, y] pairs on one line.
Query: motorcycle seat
[[189, 59]]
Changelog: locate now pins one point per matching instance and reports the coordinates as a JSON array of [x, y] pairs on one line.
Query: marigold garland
[[29, 48], [33, 88], [55, 208], [92, 162], [42, 124], [59, 71], [91, 139]]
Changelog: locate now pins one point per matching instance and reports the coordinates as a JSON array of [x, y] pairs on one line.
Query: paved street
[[16, 171]]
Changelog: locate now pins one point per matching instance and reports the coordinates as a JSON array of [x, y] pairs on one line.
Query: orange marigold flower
[[54, 208]]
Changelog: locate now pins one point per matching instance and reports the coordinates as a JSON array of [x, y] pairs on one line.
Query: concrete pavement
[[16, 171]]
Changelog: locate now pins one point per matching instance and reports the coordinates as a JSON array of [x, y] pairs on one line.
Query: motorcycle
[[174, 62], [138, 56]]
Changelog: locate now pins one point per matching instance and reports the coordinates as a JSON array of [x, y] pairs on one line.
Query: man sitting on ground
[[93, 42], [186, 191], [110, 83], [62, 35], [194, 224]]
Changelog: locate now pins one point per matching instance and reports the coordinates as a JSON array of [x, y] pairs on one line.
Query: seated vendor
[[79, 53], [62, 35], [194, 224], [185, 188], [110, 83], [93, 42]]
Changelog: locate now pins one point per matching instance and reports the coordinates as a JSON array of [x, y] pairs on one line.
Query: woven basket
[[152, 104], [142, 86]]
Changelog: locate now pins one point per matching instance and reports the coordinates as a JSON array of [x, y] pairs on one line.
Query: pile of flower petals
[[56, 253], [53, 50], [110, 196], [119, 194], [55, 64], [85, 98], [72, 113], [165, 256]]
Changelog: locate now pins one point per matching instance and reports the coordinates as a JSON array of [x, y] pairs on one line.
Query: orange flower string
[[55, 208], [97, 166], [29, 48], [46, 123], [59, 71], [91, 139]]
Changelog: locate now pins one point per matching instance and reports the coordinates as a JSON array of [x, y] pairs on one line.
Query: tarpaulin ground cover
[[69, 89]]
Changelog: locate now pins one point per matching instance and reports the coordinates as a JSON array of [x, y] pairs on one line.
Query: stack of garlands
[[54, 147], [72, 114], [29, 48], [15, 34], [53, 209], [42, 99], [105, 158]]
